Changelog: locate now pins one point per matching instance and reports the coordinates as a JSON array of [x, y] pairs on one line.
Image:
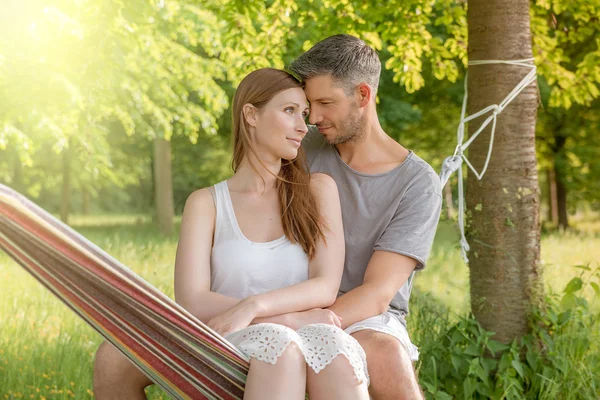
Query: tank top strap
[[223, 226]]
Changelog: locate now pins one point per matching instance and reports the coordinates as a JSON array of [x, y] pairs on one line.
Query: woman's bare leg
[[336, 381], [284, 380]]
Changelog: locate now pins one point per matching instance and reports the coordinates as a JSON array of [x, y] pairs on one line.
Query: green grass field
[[46, 352]]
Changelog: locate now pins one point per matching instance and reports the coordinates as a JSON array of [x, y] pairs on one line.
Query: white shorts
[[319, 343], [389, 324]]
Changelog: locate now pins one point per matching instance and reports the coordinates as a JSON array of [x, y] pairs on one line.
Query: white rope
[[454, 162]]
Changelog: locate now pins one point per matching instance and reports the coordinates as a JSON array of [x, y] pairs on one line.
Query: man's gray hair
[[346, 58]]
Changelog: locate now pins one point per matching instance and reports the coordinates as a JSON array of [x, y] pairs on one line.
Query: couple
[[298, 269]]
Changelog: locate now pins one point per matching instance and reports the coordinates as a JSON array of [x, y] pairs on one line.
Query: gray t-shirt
[[396, 211]]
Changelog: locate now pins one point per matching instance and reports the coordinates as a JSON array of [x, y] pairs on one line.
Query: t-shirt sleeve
[[412, 228]]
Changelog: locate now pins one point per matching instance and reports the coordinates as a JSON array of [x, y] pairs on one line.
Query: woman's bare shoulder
[[322, 182], [200, 201]]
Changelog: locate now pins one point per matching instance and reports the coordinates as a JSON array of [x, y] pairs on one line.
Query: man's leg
[[391, 371], [115, 377]]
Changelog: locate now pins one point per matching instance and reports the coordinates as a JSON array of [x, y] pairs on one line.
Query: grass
[[46, 352]]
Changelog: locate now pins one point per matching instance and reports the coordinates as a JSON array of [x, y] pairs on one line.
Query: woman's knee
[[292, 355], [331, 349], [273, 343]]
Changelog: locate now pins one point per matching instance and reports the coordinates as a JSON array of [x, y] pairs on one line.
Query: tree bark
[[561, 201], [66, 186], [561, 189], [163, 185], [449, 205], [552, 197], [505, 274]]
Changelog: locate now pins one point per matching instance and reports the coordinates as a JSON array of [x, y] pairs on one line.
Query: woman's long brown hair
[[299, 212]]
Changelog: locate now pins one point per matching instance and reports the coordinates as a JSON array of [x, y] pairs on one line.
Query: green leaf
[[457, 337], [583, 267], [596, 288], [456, 362], [441, 395], [473, 350], [469, 386], [505, 361], [574, 285], [496, 347], [518, 367], [568, 301], [564, 317]]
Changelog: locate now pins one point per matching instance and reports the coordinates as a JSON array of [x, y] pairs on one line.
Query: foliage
[[566, 140], [75, 73], [567, 49], [559, 359]]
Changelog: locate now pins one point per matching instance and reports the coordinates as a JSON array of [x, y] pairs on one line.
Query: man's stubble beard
[[352, 130]]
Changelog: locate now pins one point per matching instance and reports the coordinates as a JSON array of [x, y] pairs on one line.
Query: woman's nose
[[302, 126]]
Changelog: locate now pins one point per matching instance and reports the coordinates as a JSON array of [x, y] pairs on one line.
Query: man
[[390, 201]]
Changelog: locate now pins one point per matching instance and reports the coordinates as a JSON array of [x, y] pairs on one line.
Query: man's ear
[[364, 92], [249, 112]]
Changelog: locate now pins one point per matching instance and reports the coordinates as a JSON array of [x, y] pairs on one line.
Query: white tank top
[[242, 268]]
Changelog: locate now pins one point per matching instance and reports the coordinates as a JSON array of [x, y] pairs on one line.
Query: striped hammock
[[174, 349]]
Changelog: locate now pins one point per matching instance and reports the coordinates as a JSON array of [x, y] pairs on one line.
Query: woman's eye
[[289, 110]]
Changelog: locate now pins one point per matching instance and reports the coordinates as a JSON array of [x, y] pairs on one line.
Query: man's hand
[[314, 316], [236, 318]]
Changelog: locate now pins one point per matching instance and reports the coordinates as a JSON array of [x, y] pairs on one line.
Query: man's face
[[338, 116]]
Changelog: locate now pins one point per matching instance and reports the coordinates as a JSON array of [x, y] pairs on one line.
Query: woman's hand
[[315, 316], [238, 317]]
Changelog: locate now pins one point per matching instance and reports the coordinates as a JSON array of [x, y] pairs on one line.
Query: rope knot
[[453, 163]]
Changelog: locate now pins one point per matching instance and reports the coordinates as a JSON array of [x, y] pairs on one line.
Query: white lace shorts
[[320, 344], [387, 323]]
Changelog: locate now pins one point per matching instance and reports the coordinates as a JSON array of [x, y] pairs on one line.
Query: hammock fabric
[[174, 349]]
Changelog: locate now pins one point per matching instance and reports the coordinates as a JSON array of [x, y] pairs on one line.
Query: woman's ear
[[250, 113]]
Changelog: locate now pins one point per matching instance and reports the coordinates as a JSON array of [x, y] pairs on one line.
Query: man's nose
[[314, 117]]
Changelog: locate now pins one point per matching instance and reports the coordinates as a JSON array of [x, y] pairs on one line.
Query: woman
[[260, 254]]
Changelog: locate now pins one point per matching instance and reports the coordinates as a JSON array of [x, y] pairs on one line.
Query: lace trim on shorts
[[322, 343], [319, 343]]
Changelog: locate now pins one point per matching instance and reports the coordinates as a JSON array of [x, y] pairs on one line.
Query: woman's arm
[[325, 270], [192, 263]]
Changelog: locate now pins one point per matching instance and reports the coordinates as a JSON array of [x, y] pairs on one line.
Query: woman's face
[[280, 125]]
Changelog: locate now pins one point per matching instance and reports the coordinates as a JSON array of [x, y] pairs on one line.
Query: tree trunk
[[561, 201], [449, 205], [561, 190], [552, 199], [66, 186], [85, 202], [163, 185], [505, 274]]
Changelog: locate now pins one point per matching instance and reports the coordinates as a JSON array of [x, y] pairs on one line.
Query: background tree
[[505, 274]]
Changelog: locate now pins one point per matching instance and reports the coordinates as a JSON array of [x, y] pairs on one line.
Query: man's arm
[[386, 273]]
